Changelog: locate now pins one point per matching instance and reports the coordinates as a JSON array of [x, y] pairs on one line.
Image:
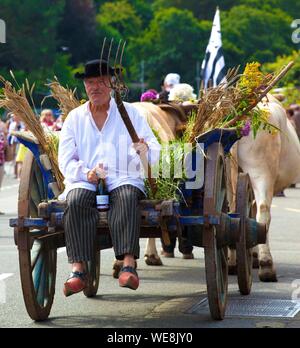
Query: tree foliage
[[202, 9], [293, 77], [77, 30], [255, 34], [121, 16], [47, 37], [31, 33], [174, 41]]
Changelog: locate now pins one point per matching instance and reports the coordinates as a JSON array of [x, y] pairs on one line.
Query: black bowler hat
[[92, 69]]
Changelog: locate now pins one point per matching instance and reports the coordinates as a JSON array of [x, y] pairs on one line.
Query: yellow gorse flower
[[274, 131], [252, 77], [264, 115]]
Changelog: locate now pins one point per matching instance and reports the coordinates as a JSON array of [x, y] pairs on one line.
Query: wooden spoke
[[35, 256], [39, 281], [33, 209], [38, 178]]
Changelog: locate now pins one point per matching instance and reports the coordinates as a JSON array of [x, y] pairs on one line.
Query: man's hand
[[96, 173], [141, 147]]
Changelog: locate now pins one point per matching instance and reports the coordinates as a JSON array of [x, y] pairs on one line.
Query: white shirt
[[82, 146]]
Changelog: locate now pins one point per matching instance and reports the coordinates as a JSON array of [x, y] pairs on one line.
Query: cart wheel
[[216, 259], [245, 208], [37, 256], [93, 269]]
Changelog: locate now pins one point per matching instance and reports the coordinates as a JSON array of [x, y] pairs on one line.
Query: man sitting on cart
[[94, 142]]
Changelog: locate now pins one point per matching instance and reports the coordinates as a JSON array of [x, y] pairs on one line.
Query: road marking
[[3, 291], [61, 250], [294, 210], [274, 206], [4, 276]]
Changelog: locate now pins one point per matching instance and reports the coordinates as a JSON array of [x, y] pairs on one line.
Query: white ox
[[272, 162]]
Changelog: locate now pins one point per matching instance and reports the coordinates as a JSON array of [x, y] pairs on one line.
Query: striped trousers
[[81, 218]]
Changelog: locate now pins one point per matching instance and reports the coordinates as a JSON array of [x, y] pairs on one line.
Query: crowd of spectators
[[12, 152]]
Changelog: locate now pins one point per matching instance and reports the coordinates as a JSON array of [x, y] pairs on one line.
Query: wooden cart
[[38, 229]]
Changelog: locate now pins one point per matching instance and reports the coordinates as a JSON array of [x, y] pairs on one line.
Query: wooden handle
[[135, 139], [126, 119], [276, 79], [262, 95]]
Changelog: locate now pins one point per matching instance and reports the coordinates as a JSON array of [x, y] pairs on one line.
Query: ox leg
[[267, 272], [151, 255], [232, 270], [231, 167], [255, 262]]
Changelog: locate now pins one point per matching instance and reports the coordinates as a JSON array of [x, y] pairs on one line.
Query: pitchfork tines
[[117, 81]]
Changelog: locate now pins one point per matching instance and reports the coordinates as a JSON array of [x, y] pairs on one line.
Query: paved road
[[166, 293]]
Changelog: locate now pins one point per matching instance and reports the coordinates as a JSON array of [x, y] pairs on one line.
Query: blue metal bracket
[[227, 137], [199, 220], [47, 174], [28, 222]]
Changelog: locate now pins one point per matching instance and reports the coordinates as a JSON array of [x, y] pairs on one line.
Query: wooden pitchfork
[[120, 89]]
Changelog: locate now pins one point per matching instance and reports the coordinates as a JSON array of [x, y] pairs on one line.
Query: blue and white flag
[[213, 65]]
